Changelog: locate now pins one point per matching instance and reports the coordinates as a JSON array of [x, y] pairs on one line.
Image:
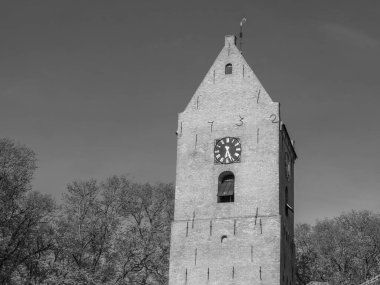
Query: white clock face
[[227, 150]]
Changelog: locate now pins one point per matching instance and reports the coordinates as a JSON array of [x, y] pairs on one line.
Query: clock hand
[[227, 154], [227, 151]]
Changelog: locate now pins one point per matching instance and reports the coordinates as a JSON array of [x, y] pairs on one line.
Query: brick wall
[[234, 105]]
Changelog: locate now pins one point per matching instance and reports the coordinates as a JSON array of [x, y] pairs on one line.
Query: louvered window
[[226, 187]]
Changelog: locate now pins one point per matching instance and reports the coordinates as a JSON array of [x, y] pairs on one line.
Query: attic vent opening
[[228, 68]]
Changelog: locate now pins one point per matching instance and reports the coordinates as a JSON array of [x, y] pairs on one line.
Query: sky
[[94, 87]]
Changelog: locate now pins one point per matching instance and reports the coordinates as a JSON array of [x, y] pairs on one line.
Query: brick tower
[[234, 197]]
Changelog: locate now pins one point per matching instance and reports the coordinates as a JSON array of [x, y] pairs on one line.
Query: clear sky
[[94, 87]]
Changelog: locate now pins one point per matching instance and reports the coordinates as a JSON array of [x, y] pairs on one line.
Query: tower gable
[[241, 78]]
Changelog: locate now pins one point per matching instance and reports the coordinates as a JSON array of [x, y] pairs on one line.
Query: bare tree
[[25, 231], [344, 250], [113, 232]]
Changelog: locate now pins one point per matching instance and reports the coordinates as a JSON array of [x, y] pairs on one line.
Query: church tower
[[234, 197]]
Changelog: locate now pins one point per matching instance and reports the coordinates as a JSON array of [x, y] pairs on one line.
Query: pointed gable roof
[[216, 80]]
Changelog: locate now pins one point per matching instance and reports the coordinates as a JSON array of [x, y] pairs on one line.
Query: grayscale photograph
[[195, 142]]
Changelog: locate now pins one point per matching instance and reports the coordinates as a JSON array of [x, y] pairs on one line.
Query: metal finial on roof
[[241, 33]]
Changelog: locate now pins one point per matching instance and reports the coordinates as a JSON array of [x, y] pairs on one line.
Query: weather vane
[[241, 33]]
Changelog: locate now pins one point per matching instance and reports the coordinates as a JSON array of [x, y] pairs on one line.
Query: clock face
[[227, 150]]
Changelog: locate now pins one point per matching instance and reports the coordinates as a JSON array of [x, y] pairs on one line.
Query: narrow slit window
[[286, 201], [228, 68], [226, 185]]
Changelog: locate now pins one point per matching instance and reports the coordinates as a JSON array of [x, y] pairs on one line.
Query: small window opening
[[286, 201], [228, 68], [226, 185]]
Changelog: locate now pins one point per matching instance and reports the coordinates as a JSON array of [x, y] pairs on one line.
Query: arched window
[[286, 201], [226, 186], [228, 68]]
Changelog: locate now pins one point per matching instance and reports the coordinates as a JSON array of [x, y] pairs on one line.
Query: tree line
[[117, 232], [109, 232], [344, 250]]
